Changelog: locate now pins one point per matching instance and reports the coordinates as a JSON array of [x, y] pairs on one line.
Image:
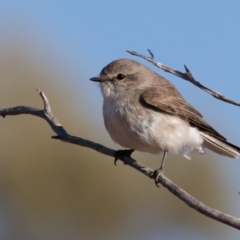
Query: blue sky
[[83, 36]]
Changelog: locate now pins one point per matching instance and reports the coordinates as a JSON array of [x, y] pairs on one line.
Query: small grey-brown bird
[[143, 111]]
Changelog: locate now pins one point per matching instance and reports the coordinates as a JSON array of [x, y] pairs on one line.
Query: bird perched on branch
[[143, 111]]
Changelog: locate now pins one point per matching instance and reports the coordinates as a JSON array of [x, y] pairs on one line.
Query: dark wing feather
[[174, 104]]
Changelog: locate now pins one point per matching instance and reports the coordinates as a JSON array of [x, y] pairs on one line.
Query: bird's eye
[[120, 76]]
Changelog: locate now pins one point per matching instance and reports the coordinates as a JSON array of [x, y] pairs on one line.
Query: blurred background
[[54, 190]]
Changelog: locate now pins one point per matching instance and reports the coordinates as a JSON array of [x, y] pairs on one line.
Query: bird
[[145, 112]]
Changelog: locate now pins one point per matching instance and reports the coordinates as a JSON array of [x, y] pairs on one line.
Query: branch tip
[[39, 90], [55, 137], [186, 69], [151, 53]]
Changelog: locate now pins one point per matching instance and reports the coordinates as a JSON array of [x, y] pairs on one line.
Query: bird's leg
[[121, 153], [163, 161], [158, 171]]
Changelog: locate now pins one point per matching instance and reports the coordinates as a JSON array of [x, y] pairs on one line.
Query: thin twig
[[186, 76], [167, 183]]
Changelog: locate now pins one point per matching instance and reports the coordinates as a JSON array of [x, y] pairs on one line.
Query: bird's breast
[[130, 125], [133, 126]]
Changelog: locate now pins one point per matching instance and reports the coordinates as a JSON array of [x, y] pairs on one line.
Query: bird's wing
[[174, 104]]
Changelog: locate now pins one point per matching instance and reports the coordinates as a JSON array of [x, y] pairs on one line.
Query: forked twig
[[186, 76]]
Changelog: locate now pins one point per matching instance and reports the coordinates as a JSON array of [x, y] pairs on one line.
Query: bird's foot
[[155, 175], [121, 153]]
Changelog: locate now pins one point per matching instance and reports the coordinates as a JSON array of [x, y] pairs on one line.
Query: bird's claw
[[156, 175], [121, 153]]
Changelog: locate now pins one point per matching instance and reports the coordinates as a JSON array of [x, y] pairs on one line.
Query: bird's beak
[[98, 79]]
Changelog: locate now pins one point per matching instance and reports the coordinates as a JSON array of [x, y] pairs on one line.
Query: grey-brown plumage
[[145, 112]]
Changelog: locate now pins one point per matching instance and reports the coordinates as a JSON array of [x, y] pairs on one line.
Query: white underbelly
[[151, 132]]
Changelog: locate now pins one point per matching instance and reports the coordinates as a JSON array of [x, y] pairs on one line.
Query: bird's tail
[[221, 147]]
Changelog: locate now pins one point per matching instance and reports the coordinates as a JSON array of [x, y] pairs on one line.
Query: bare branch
[[167, 183], [186, 76]]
